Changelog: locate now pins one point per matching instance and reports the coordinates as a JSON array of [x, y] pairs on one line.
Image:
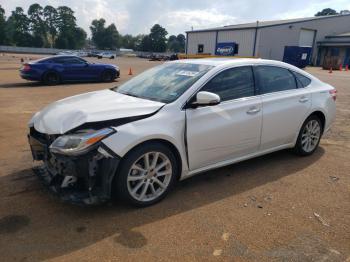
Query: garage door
[[306, 37]]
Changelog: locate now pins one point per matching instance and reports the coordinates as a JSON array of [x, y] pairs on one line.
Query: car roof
[[228, 62]]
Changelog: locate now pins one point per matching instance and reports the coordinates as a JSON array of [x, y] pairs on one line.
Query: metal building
[[302, 39]]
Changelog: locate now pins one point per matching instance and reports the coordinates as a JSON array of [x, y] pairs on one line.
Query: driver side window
[[232, 83]]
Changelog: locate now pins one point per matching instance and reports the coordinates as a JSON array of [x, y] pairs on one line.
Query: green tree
[[3, 35], [182, 40], [97, 32], [326, 11], [173, 44], [111, 37], [128, 41], [176, 43], [18, 28], [138, 42], [37, 25], [51, 19], [146, 44], [69, 35], [158, 38], [80, 37], [105, 38]]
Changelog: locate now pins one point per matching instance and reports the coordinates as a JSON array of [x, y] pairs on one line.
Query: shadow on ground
[[39, 223]]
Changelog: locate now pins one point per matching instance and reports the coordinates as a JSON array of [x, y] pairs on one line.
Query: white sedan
[[174, 121], [109, 55]]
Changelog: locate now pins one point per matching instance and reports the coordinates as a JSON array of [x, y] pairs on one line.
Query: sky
[[178, 16]]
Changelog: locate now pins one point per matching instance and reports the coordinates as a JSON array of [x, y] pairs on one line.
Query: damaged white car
[[173, 121]]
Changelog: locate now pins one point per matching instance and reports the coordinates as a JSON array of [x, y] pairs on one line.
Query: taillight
[[26, 67], [333, 94]]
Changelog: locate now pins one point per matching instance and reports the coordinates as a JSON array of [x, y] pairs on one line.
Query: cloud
[[177, 16], [182, 20], [102, 9]]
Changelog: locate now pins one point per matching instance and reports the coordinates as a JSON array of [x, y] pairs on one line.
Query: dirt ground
[[278, 207]]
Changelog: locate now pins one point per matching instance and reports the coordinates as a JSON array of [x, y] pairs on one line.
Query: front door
[[76, 69], [228, 130]]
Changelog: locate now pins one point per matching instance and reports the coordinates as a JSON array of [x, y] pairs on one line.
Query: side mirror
[[86, 64], [204, 98]]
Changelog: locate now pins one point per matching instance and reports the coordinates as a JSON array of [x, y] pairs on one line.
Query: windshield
[[164, 83]]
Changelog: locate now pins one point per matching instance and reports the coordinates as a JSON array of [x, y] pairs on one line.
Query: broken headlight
[[79, 143]]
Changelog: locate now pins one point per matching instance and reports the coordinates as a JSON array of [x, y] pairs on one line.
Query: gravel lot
[[279, 207]]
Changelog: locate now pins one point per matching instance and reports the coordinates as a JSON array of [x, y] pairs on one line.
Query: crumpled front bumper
[[84, 180]]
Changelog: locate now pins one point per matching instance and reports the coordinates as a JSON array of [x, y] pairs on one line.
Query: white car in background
[[174, 121], [109, 55]]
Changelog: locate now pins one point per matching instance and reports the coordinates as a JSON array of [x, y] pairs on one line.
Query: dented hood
[[69, 113]]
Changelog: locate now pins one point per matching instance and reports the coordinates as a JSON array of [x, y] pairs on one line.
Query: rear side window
[[74, 60], [60, 60], [274, 79], [302, 80], [232, 83], [68, 60]]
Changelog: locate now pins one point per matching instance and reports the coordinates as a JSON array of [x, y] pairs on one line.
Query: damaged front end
[[76, 167]]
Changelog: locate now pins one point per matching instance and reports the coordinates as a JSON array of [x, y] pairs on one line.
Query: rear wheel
[[51, 78], [309, 136], [107, 76], [147, 174]]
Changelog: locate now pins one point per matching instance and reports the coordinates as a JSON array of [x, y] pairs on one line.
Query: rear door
[[285, 104], [230, 129]]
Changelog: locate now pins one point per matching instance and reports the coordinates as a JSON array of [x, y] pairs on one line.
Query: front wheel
[[309, 136], [147, 174], [107, 76]]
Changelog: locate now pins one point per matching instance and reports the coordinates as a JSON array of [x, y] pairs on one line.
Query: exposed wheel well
[[321, 116], [170, 146]]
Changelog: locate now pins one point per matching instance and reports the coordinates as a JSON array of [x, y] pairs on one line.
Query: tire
[[112, 57], [107, 76], [51, 78], [138, 185], [309, 136]]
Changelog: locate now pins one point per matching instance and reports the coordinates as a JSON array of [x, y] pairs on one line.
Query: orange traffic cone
[[341, 68], [331, 70], [130, 72]]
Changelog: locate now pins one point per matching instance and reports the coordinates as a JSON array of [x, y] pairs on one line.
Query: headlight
[[79, 143]]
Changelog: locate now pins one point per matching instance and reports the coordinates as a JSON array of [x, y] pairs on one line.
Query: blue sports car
[[56, 69]]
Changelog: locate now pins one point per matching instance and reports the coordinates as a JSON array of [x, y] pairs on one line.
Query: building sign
[[225, 49]]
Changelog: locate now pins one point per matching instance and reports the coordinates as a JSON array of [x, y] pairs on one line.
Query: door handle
[[253, 110], [303, 99]]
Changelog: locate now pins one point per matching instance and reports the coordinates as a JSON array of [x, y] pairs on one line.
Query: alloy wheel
[[310, 136], [149, 176]]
